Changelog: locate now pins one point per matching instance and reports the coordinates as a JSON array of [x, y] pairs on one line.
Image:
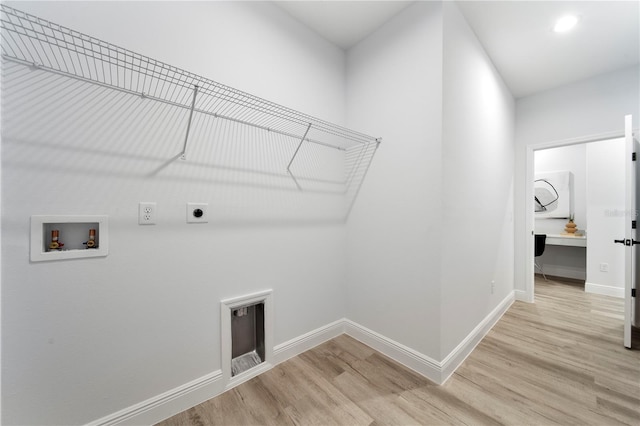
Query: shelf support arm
[[298, 148], [183, 154]]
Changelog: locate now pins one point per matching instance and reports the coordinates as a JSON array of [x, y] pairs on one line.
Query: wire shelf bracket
[[183, 154], [298, 148]]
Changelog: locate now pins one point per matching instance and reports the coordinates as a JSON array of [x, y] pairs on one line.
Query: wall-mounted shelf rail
[[43, 45]]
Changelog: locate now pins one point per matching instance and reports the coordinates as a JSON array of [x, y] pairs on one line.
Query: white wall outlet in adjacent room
[[493, 286], [146, 213], [604, 267], [197, 212]]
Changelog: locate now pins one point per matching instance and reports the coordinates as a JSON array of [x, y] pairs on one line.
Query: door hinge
[[633, 224], [633, 156], [633, 292]]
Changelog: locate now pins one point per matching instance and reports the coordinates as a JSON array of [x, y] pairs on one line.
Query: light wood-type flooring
[[558, 361]]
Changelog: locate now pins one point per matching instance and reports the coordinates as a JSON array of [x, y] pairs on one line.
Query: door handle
[[627, 242]]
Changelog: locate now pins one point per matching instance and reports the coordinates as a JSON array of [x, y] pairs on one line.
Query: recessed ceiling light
[[565, 23]]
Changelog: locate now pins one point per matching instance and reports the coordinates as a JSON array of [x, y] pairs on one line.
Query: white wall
[[394, 234], [561, 261], [83, 339], [477, 153], [571, 158], [606, 216], [580, 110], [220, 40], [433, 225], [86, 338]]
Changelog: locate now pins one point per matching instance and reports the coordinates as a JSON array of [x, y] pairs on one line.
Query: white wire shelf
[[35, 44], [38, 43]]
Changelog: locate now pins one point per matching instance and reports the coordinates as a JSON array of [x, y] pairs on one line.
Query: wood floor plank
[[557, 361], [446, 406]]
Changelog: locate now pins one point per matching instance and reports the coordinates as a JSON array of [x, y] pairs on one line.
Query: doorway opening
[[575, 150]]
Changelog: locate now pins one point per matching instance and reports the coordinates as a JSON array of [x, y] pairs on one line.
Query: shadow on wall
[[62, 129]]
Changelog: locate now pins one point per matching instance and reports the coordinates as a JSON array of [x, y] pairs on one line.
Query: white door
[[629, 240]]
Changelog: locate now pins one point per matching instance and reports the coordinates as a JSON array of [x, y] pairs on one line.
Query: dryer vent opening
[[247, 337]]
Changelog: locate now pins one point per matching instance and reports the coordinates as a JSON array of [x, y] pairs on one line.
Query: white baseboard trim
[[296, 346], [167, 404], [181, 398], [522, 295], [564, 272], [423, 364], [457, 356], [606, 290]]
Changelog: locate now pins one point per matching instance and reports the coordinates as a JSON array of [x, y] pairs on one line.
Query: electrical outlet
[[197, 212], [604, 267], [493, 286], [146, 213]]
